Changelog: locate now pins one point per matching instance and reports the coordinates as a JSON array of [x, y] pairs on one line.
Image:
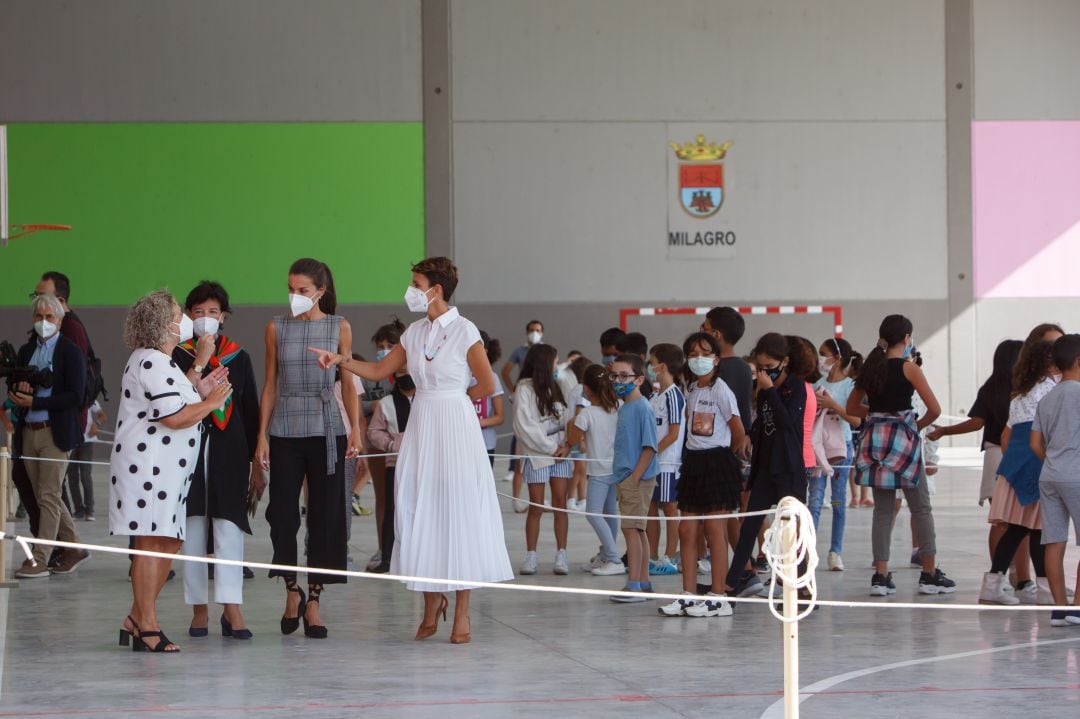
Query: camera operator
[[47, 427]]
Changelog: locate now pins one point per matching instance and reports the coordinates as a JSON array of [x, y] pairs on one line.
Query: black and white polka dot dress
[[152, 466]]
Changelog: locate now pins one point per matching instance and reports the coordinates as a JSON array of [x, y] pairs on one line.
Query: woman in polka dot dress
[[157, 440]]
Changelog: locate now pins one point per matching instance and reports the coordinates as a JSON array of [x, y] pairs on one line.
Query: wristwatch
[[198, 368]]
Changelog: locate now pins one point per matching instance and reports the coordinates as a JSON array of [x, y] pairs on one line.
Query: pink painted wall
[[1026, 204]]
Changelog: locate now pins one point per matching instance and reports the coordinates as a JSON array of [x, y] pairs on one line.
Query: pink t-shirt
[[808, 428]]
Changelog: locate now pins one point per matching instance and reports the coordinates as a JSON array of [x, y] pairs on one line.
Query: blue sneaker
[[662, 567]]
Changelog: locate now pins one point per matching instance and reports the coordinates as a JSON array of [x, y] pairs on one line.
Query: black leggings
[[1010, 542], [764, 493], [386, 538], [291, 460]]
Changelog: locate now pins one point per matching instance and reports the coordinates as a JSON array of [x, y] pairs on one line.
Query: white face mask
[[187, 328], [702, 366], [299, 304], [44, 329], [416, 299], [535, 337], [825, 365], [206, 326]]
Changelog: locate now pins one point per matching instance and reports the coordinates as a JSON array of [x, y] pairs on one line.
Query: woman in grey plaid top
[[301, 430]]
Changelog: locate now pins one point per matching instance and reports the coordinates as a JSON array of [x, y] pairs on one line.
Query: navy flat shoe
[[228, 631]]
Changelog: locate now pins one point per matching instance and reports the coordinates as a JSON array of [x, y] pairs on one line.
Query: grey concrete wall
[[1026, 59], [210, 60], [563, 111]]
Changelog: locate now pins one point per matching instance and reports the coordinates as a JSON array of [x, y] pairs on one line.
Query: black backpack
[[95, 382]]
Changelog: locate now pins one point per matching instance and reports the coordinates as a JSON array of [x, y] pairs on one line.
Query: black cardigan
[[231, 449], [69, 386], [777, 435]]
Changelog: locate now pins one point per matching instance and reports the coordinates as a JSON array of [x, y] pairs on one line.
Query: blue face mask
[[381, 355], [650, 373], [623, 389], [607, 359], [908, 349]]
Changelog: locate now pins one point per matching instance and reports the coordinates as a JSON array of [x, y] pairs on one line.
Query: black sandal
[[125, 633], [315, 631], [138, 643], [291, 624]]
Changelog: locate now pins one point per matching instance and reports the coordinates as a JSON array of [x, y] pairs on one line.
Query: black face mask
[[405, 383], [774, 373]]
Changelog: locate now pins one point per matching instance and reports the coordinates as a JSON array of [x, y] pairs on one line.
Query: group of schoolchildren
[[701, 432]]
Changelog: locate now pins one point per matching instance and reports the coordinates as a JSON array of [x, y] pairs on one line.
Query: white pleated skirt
[[447, 520]]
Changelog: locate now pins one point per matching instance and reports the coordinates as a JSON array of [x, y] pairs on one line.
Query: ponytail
[[874, 372], [328, 302]]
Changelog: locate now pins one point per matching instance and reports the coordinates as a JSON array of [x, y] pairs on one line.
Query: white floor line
[[776, 709]]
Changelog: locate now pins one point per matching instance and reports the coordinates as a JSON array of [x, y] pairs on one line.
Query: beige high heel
[[428, 630]]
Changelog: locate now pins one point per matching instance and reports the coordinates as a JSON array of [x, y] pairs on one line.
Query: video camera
[[14, 374]]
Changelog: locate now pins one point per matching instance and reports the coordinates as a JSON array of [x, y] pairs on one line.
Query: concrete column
[[959, 60], [438, 128]]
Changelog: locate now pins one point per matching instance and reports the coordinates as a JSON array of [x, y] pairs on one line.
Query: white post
[[790, 627], [5, 482], [4, 221]]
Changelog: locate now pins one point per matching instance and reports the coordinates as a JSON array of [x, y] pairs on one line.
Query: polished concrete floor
[[543, 654]]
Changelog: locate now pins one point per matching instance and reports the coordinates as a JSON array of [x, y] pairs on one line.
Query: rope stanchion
[[789, 542]]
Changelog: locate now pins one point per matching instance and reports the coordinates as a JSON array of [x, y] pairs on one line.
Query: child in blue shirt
[[635, 467]]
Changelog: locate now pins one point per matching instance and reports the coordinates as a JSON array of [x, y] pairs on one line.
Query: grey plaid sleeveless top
[[305, 405]]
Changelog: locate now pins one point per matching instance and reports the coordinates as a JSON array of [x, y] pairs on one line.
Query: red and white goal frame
[[835, 310]]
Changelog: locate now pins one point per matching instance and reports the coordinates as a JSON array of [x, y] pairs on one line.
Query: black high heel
[[291, 624], [138, 641], [314, 631], [228, 631], [126, 634]]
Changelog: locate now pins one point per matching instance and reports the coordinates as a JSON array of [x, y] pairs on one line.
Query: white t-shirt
[[709, 409], [359, 388], [91, 415], [1022, 408], [669, 407], [599, 429]]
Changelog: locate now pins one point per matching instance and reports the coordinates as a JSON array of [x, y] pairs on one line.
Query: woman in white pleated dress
[[448, 522]]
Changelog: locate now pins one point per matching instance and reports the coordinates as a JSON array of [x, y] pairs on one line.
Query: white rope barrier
[[24, 542]]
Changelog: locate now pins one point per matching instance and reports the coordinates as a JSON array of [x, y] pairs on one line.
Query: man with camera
[[48, 393]]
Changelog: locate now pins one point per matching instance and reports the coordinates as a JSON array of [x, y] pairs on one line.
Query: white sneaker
[[993, 590], [678, 607], [571, 504], [609, 569], [374, 562], [715, 607], [561, 567], [596, 560], [1029, 593], [836, 564], [704, 566], [520, 506], [530, 564], [509, 476]]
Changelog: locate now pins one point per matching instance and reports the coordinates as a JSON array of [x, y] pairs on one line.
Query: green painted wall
[[170, 204]]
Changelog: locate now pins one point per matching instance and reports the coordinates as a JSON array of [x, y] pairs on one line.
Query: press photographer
[[47, 428]]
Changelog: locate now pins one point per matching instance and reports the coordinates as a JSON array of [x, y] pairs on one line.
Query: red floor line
[[542, 700]]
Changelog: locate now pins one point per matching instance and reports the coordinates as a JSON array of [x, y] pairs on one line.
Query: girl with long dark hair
[[540, 417], [889, 457]]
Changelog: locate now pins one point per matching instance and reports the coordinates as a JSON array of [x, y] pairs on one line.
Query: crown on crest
[[700, 150]]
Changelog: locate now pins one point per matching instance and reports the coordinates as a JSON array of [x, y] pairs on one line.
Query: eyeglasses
[[622, 376]]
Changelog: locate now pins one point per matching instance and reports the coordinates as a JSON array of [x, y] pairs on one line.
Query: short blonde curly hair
[[147, 323]]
